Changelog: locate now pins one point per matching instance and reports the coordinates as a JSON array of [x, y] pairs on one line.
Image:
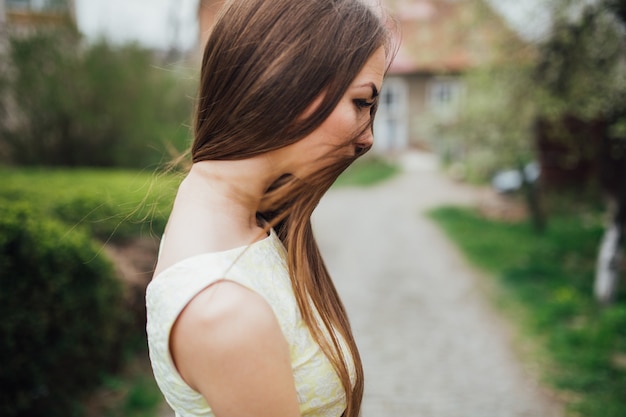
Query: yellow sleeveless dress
[[261, 267]]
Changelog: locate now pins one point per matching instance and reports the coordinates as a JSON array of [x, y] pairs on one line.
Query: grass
[[549, 279], [111, 204], [366, 172], [132, 393]]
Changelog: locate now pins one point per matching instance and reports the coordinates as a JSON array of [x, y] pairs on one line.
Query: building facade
[[33, 13], [439, 41]]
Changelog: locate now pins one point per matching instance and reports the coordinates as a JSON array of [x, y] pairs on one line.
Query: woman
[[243, 318]]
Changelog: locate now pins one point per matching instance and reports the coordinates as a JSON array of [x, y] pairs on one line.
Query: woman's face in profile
[[337, 135]]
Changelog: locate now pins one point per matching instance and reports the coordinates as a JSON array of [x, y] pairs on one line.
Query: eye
[[363, 103]]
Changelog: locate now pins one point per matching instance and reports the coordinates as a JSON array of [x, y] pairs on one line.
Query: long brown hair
[[265, 63]]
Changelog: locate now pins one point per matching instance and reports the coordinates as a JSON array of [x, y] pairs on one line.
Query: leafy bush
[[68, 104], [62, 319], [110, 204], [106, 218]]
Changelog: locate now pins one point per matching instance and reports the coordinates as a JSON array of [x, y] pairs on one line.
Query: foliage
[[578, 70], [105, 204], [581, 69], [549, 278], [110, 204], [495, 122], [62, 319], [143, 398], [66, 103], [493, 118], [132, 393]]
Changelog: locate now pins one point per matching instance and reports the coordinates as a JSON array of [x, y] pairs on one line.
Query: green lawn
[[367, 171], [549, 279], [111, 204]]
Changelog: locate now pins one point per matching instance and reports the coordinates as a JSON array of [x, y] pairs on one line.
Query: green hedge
[[62, 315], [110, 204]]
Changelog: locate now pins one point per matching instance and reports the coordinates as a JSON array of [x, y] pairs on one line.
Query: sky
[[527, 17], [153, 23]]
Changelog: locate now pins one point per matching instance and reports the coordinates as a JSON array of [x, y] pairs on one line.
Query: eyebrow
[[373, 87]]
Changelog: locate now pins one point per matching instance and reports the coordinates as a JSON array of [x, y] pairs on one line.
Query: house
[[440, 40], [26, 15], [19, 17], [22, 17]]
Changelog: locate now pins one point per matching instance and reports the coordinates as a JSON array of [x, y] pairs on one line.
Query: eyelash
[[364, 104]]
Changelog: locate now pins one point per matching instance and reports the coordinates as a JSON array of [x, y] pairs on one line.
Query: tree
[[570, 101], [496, 118], [66, 103], [581, 76], [495, 124]]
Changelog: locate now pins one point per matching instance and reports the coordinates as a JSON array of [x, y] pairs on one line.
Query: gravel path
[[431, 344]]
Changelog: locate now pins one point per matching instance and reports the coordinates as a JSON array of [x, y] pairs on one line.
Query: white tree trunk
[[607, 265]]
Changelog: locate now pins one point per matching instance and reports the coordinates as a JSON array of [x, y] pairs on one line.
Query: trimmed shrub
[[62, 324], [109, 218], [98, 214], [111, 205]]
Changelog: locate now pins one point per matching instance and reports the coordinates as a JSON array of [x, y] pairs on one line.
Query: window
[[390, 125], [37, 5], [444, 94]]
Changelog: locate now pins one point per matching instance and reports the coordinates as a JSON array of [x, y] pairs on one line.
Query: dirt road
[[431, 344]]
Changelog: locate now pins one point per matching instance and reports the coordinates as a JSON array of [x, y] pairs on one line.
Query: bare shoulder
[[227, 345], [225, 317], [223, 305]]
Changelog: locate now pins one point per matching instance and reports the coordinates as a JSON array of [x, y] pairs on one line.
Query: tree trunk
[[532, 201]]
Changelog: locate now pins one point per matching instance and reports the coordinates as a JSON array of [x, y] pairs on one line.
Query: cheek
[[343, 124]]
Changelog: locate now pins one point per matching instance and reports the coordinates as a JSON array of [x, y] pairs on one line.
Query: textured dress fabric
[[261, 267]]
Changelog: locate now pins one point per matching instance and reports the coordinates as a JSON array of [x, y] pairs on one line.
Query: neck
[[233, 189]]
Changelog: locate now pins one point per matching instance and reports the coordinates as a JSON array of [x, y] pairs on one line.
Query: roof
[[445, 36], [30, 13]]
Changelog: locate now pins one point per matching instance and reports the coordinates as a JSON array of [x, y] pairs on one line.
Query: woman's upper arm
[[228, 346]]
